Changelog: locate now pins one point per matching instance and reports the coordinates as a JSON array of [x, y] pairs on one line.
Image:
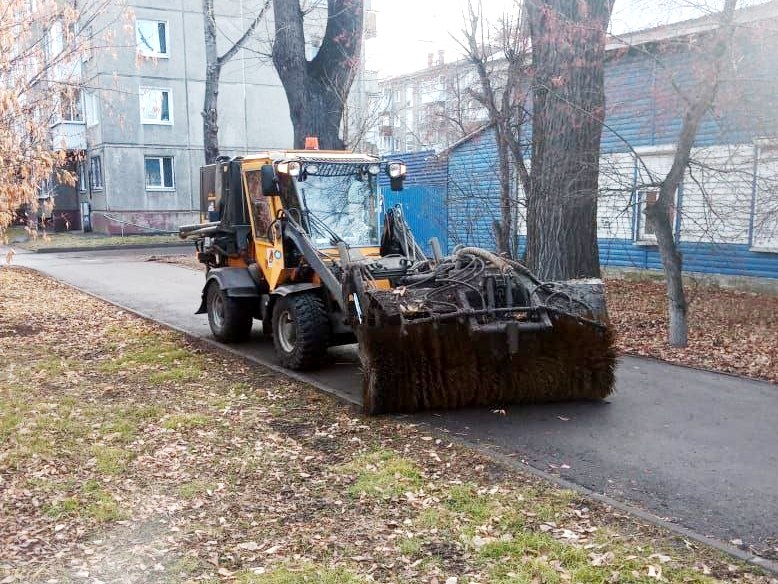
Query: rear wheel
[[301, 330], [230, 318]]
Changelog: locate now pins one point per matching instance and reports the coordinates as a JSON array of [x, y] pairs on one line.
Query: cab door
[[268, 248]]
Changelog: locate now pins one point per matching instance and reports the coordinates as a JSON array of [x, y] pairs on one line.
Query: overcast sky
[[410, 29]]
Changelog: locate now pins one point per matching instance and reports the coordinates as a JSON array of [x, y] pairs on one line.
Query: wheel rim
[[217, 311], [287, 331]]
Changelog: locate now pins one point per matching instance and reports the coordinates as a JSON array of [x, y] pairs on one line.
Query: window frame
[[96, 185], [755, 237], [640, 236], [153, 55], [156, 122], [71, 108], [55, 39], [83, 176], [91, 108], [161, 158]]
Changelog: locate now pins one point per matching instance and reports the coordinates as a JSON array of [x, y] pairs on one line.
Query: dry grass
[[111, 471], [18, 237]]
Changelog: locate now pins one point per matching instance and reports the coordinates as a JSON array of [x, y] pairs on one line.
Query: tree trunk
[[661, 217], [317, 90], [213, 70], [316, 109], [503, 229], [212, 73], [568, 52], [211, 114], [660, 212]]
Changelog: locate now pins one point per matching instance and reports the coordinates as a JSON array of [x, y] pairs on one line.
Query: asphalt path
[[696, 448]]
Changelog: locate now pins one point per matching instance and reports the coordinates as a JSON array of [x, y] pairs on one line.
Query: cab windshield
[[339, 201]]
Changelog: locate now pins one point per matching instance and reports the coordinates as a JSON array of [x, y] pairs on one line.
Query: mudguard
[[235, 282], [294, 288]]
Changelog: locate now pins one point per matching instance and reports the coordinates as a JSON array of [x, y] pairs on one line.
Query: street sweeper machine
[[299, 240]]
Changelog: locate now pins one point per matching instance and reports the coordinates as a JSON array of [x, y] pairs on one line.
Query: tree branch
[[231, 52]]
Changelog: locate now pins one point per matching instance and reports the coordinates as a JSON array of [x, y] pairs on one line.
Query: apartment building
[[429, 109], [137, 128]]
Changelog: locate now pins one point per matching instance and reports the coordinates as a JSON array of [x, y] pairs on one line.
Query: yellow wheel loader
[[298, 240]]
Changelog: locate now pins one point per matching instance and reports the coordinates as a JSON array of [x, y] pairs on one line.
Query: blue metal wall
[[473, 198], [423, 196], [707, 258], [644, 108]]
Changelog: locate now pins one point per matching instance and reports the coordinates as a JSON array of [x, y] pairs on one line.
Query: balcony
[[68, 135]]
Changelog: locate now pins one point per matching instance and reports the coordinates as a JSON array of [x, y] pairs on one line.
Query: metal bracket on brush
[[359, 289]]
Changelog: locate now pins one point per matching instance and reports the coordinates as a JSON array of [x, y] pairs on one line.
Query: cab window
[[263, 214]]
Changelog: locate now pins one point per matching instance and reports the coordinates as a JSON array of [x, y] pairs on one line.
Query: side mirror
[[269, 182], [396, 184]]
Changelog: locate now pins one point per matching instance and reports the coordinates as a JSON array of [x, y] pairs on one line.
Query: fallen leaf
[[654, 572], [605, 559]]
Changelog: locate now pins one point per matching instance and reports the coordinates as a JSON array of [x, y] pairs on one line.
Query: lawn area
[[128, 454], [18, 237]]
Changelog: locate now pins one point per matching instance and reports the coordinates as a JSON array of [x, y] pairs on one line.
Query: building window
[[646, 230], [91, 109], [764, 217], [151, 38], [155, 106], [55, 41], [159, 173], [82, 176], [96, 172], [70, 106]]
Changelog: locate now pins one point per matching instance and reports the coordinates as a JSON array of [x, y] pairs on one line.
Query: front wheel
[[301, 330], [230, 318]]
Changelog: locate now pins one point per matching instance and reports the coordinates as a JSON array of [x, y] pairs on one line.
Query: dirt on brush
[[128, 454], [730, 331]]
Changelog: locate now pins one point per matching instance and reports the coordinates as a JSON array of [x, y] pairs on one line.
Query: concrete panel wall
[[252, 104]]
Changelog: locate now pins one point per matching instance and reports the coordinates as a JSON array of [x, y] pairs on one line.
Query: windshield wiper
[[313, 220]]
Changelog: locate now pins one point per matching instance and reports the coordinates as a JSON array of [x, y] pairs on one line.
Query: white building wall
[[614, 207], [722, 201], [765, 219]]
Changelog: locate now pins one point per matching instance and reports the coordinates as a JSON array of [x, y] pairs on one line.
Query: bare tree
[[359, 125], [661, 211], [213, 68], [502, 91], [42, 46], [317, 89], [568, 55]]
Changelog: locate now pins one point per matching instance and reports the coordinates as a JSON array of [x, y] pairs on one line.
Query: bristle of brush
[[448, 365]]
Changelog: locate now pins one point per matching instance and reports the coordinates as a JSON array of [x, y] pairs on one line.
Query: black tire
[[301, 330], [230, 318]]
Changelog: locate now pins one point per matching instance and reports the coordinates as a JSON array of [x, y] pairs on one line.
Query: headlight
[[396, 169], [291, 168], [312, 168], [374, 169]]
